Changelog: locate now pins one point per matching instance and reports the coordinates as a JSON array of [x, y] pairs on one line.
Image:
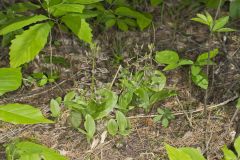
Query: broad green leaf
[[69, 96], [110, 23], [107, 103], [121, 121], [167, 57], [124, 100], [193, 153], [75, 119], [62, 9], [203, 58], [195, 70], [220, 23], [26, 149], [176, 154], [235, 9], [156, 2], [55, 108], [85, 32], [90, 126], [10, 79], [158, 81], [23, 7], [200, 80], [112, 127], [20, 22], [27, 45], [162, 95], [130, 22], [143, 96], [21, 114], [83, 1], [142, 20], [228, 154], [79, 27], [171, 67], [122, 25], [237, 143], [185, 62]]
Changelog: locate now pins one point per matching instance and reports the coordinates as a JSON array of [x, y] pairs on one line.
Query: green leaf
[[156, 2], [122, 25], [226, 30], [23, 7], [193, 153], [69, 96], [21, 114], [90, 126], [159, 96], [112, 127], [108, 102], [110, 23], [176, 154], [27, 151], [142, 20], [237, 142], [200, 20], [79, 27], [62, 9], [75, 119], [171, 67], [10, 79], [143, 96], [167, 57], [20, 22], [55, 108], [165, 122], [235, 9], [185, 62], [27, 45], [158, 81], [220, 23], [83, 1], [228, 154], [130, 22], [122, 122], [43, 81], [203, 58], [124, 100], [200, 79]]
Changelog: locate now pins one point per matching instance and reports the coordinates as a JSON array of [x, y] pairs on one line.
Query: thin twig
[[115, 77], [211, 107]]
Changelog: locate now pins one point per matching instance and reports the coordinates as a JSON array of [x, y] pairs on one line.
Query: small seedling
[[42, 79], [164, 116], [89, 126], [121, 125], [213, 25]]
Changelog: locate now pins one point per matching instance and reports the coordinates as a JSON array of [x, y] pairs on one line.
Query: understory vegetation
[[119, 79]]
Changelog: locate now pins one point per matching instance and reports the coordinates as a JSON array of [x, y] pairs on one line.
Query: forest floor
[[146, 141]]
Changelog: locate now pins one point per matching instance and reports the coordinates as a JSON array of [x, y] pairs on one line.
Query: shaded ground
[[147, 139]]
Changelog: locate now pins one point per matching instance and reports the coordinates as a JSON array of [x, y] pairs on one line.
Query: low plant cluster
[[27, 26]]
